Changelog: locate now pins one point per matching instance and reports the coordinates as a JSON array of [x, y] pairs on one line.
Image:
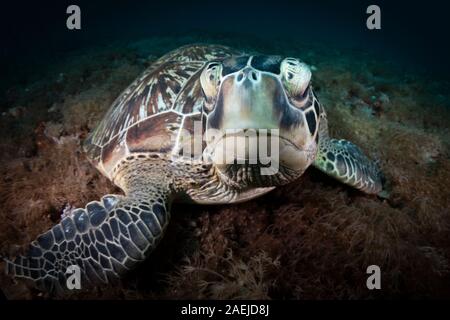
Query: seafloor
[[311, 239]]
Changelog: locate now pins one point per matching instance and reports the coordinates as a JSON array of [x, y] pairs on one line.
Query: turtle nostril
[[240, 76], [254, 75]]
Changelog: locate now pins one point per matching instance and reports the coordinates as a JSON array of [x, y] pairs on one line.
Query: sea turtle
[[198, 98]]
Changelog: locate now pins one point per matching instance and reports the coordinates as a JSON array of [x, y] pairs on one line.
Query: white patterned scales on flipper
[[344, 161]]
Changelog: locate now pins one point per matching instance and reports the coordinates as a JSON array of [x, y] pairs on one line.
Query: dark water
[[414, 34]]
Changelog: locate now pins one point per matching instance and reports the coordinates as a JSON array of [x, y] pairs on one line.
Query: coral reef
[[311, 239]]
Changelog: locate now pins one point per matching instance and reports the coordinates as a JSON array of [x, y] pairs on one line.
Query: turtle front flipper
[[344, 161], [105, 239]]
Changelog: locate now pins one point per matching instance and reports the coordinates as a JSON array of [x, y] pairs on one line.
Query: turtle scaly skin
[[164, 139], [344, 161]]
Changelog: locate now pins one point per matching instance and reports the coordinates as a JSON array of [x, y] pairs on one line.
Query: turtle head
[[256, 105]]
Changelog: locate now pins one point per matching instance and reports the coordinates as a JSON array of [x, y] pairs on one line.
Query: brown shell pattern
[[148, 115]]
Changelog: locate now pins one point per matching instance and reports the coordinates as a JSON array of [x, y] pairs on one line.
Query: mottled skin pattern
[[343, 160], [137, 145]]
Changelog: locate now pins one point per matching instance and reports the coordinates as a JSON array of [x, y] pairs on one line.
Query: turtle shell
[[149, 114]]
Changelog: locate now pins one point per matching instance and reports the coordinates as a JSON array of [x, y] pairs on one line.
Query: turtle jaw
[[264, 148], [252, 113]]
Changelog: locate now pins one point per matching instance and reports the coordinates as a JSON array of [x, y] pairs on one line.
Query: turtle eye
[[296, 77], [210, 79]]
